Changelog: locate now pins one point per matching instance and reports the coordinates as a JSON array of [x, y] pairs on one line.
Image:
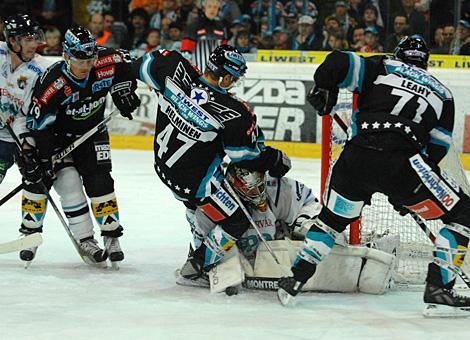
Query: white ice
[[59, 297]]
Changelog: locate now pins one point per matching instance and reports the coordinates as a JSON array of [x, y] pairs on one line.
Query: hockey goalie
[[279, 207]]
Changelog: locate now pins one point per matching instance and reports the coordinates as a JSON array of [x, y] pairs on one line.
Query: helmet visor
[[35, 36]]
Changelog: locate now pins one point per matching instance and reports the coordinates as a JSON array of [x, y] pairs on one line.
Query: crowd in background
[[321, 25]]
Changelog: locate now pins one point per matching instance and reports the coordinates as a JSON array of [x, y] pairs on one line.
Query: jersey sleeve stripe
[[204, 189], [441, 136], [355, 76], [145, 72]]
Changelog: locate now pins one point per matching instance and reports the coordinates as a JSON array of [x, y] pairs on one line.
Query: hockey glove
[[125, 98], [280, 162], [322, 100], [29, 167]]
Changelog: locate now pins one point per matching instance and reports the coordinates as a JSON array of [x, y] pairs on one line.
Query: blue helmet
[[225, 60], [413, 50], [79, 43]]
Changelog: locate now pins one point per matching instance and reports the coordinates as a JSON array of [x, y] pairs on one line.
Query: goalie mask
[[249, 185]]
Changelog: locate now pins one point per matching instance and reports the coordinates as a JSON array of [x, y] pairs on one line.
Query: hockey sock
[[318, 243], [106, 212], [449, 252], [33, 210]]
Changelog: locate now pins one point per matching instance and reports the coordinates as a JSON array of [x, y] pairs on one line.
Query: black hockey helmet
[[21, 25], [249, 185], [413, 50], [226, 59], [79, 43]]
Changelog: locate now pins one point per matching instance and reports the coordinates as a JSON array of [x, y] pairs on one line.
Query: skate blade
[[27, 264], [115, 265], [182, 281], [93, 263], [442, 311], [285, 298]]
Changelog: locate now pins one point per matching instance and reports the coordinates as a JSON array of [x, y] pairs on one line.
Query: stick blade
[[28, 241]]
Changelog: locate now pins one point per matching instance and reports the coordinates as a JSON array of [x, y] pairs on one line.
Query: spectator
[[53, 45], [229, 11], [247, 23], [187, 7], [358, 39], [371, 37], [438, 37], [138, 25], [236, 27], [305, 38], [356, 9], [168, 12], [103, 38], [152, 42], [243, 43], [341, 14], [98, 6], [331, 25], [173, 41], [150, 6], [448, 32], [280, 38], [369, 20], [301, 7], [461, 43], [415, 19], [336, 41], [291, 23], [203, 35], [400, 30], [2, 26], [108, 21], [260, 9]]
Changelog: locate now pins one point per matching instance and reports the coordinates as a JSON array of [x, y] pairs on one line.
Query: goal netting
[[380, 225]]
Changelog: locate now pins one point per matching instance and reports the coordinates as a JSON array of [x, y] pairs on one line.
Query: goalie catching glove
[[322, 100], [125, 98]]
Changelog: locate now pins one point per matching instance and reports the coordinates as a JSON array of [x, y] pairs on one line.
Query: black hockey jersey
[[197, 125], [71, 106], [393, 96]]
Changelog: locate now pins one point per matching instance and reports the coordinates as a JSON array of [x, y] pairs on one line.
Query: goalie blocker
[[346, 269]]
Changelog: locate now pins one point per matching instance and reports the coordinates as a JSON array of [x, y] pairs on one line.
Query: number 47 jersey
[[393, 97], [197, 125]]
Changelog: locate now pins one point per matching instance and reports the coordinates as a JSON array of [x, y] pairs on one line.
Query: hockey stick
[[417, 219], [29, 241], [61, 154], [11, 194], [253, 224]]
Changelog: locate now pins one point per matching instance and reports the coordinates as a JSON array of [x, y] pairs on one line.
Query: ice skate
[[191, 274], [28, 255], [113, 248], [92, 253], [288, 289], [445, 303]]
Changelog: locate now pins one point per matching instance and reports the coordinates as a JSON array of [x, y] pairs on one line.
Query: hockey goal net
[[380, 225]]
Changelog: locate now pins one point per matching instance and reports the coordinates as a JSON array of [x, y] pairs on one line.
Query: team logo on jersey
[[199, 96], [22, 82]]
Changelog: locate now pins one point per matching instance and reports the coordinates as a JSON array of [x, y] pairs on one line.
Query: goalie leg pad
[[33, 209], [106, 212], [74, 203], [228, 273]]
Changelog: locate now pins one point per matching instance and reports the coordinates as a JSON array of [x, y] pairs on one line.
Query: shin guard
[[106, 212], [33, 210]]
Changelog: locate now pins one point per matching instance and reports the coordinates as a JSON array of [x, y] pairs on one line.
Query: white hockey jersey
[[287, 200], [16, 88]]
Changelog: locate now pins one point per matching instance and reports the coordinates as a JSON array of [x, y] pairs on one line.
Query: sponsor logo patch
[[52, 89], [105, 72], [102, 84], [426, 209], [212, 212], [437, 186], [225, 201], [103, 152], [108, 60]]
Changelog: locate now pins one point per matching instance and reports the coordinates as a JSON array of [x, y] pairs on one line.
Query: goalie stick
[[61, 154], [32, 240], [424, 227]]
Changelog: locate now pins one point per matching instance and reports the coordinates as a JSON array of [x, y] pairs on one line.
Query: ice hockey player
[[280, 208], [198, 123], [68, 100], [20, 66], [400, 132]]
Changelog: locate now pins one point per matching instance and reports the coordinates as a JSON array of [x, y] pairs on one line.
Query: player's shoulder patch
[[164, 52]]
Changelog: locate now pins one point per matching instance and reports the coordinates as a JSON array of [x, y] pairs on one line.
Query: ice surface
[[59, 297]]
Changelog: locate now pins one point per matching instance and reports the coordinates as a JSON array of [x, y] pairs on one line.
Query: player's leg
[[7, 151], [93, 162], [437, 196]]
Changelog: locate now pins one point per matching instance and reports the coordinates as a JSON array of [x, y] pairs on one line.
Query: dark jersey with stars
[[393, 96], [72, 107], [197, 125]]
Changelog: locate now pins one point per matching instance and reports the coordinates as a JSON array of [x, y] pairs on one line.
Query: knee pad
[[106, 212], [98, 185], [74, 203], [33, 210]]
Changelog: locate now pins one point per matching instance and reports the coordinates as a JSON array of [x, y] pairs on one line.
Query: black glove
[[322, 100], [125, 98], [280, 162], [29, 167]]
